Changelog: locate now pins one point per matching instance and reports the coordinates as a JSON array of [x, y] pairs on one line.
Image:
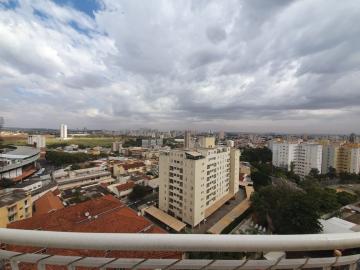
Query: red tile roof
[[47, 203], [112, 216], [126, 186], [134, 165]]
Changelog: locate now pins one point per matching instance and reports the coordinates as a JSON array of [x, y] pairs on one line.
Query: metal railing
[[180, 243]]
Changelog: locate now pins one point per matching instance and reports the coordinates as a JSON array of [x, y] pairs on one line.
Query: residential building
[[146, 143], [221, 135], [187, 139], [76, 178], [302, 156], [63, 131], [195, 183], [348, 158], [329, 156], [283, 154], [15, 204], [38, 141], [307, 156], [116, 146]]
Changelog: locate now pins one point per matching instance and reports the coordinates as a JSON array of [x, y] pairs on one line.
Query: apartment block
[[15, 204], [307, 156], [283, 154], [304, 156], [195, 182], [348, 158]]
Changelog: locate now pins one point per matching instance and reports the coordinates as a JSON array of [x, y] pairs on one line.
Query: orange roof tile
[[47, 203], [126, 186], [107, 215]]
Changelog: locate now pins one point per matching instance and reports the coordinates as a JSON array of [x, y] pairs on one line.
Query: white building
[[195, 183], [63, 131], [39, 141], [187, 139], [283, 154], [329, 157], [307, 157], [304, 156]]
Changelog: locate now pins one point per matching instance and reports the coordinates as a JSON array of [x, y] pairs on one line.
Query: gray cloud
[[236, 65]]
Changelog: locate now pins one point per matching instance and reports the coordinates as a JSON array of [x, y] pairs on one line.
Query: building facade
[[38, 141], [15, 204], [301, 157], [193, 181], [63, 131]]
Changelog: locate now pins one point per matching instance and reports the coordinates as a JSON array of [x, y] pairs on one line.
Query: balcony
[[178, 242]]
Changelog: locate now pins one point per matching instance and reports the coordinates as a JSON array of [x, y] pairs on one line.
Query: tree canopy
[[286, 210]]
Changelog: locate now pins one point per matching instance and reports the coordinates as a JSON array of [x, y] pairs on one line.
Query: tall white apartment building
[[329, 157], [63, 131], [39, 141], [283, 154], [307, 156], [194, 183], [304, 156]]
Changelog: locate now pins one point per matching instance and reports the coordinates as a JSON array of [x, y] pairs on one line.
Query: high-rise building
[[195, 183], [329, 157], [353, 138], [303, 156], [63, 131], [38, 141], [307, 156], [283, 154], [348, 158], [187, 139], [221, 135]]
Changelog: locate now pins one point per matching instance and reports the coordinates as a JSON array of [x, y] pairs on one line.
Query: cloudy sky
[[237, 65]]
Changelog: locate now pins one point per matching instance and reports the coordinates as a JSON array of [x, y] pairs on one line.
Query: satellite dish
[[87, 214]]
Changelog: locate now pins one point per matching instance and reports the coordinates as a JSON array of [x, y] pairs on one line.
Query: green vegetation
[[139, 192], [286, 210], [63, 158], [256, 155], [132, 143], [345, 198]]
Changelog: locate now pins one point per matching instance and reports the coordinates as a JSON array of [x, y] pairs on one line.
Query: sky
[[234, 65]]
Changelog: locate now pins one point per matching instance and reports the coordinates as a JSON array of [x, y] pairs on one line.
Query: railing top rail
[[179, 242]]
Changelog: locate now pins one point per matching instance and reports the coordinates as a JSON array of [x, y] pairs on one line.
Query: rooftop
[[11, 196], [105, 214], [126, 186], [20, 152], [47, 203]]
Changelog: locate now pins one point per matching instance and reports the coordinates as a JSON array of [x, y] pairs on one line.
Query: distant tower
[[187, 139], [352, 138], [63, 131], [221, 135]]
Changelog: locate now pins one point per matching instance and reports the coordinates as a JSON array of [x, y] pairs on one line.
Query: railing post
[[14, 265]]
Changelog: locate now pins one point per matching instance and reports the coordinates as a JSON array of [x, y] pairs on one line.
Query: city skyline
[[256, 66]]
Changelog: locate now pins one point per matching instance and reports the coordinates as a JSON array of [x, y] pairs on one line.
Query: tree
[[331, 173], [345, 198], [139, 192], [314, 172], [260, 179], [256, 155], [286, 210]]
